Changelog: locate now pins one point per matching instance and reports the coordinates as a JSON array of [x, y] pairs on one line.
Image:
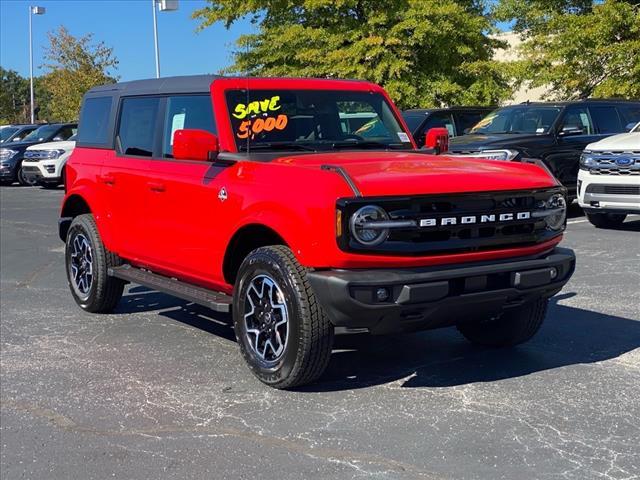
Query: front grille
[[36, 154], [617, 162], [474, 235], [614, 189]]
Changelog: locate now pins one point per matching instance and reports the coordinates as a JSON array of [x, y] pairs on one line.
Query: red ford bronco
[[303, 207]]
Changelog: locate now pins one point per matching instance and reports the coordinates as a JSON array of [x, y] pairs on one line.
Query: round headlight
[[363, 231], [557, 203]]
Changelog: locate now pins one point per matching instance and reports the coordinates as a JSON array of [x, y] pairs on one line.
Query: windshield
[[6, 132], [313, 120], [41, 133], [524, 119], [413, 121]]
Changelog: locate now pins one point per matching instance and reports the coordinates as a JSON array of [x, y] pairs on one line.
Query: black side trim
[[342, 172], [218, 301]]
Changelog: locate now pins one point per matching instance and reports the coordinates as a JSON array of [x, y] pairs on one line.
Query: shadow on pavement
[[436, 358]]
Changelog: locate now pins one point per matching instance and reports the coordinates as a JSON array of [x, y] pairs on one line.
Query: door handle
[[107, 179], [156, 186]]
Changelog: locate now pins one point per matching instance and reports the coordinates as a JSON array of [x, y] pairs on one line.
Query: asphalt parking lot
[[158, 389]]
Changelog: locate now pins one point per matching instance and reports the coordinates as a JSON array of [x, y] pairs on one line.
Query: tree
[[425, 53], [578, 48], [75, 65], [14, 97]]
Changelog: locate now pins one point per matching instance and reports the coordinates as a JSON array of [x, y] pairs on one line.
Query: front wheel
[[510, 328], [22, 179], [88, 262], [284, 335], [606, 220]]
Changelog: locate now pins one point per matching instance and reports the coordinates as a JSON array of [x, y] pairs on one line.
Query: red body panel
[[170, 214]]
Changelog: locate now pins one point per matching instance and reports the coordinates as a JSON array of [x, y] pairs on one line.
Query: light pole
[[32, 11], [164, 6]]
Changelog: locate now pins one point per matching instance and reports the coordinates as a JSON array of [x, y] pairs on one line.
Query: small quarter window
[[186, 111], [136, 131], [94, 121]]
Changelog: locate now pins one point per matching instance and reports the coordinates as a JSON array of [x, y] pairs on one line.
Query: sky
[[125, 25]]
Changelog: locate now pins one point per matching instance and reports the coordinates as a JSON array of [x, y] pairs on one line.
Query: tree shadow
[[436, 358]]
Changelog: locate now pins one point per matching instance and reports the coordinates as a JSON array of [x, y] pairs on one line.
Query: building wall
[[511, 53]]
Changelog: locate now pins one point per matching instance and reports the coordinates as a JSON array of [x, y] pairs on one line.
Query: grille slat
[[614, 189]]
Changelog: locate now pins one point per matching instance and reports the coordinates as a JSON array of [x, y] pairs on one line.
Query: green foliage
[[424, 52], [75, 65], [14, 97], [578, 48]]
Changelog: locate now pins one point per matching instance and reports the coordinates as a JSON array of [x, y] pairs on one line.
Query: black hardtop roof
[[178, 84], [425, 111], [564, 103]]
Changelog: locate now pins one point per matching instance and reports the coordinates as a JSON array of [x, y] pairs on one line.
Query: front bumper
[[41, 172], [602, 193], [433, 297]]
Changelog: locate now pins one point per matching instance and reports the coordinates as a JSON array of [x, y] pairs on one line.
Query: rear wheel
[[88, 262], [606, 220], [510, 328], [283, 333]]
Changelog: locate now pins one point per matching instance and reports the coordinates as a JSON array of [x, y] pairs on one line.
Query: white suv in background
[[43, 164], [609, 179]]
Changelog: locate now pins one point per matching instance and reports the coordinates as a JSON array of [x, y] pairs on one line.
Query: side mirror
[[57, 139], [437, 139], [192, 144], [571, 130]]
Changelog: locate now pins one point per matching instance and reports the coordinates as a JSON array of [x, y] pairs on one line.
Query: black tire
[[606, 220], [22, 180], [103, 292], [511, 328], [309, 336]]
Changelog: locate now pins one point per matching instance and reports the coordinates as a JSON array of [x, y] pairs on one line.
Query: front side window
[[313, 120], [577, 118], [515, 120], [440, 120], [466, 120], [65, 133], [192, 112], [94, 121], [137, 126]]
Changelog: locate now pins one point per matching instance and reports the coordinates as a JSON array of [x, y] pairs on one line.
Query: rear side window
[[94, 121], [606, 119], [137, 126], [187, 111]]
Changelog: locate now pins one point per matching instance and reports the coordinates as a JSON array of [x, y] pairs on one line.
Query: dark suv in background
[[12, 154], [556, 133], [455, 119], [15, 133]]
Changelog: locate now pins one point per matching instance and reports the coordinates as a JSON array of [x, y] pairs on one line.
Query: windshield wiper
[[365, 144], [277, 146]]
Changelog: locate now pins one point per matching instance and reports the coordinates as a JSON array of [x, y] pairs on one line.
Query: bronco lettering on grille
[[474, 219]]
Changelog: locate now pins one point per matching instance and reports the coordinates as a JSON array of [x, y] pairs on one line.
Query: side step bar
[[220, 302]]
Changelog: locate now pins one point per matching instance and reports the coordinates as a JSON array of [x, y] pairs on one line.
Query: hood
[[64, 145], [405, 173], [622, 141], [475, 142]]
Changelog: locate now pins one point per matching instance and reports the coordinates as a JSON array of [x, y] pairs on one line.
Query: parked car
[[609, 179], [457, 120], [246, 195], [15, 133], [44, 163], [556, 133], [11, 155]]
